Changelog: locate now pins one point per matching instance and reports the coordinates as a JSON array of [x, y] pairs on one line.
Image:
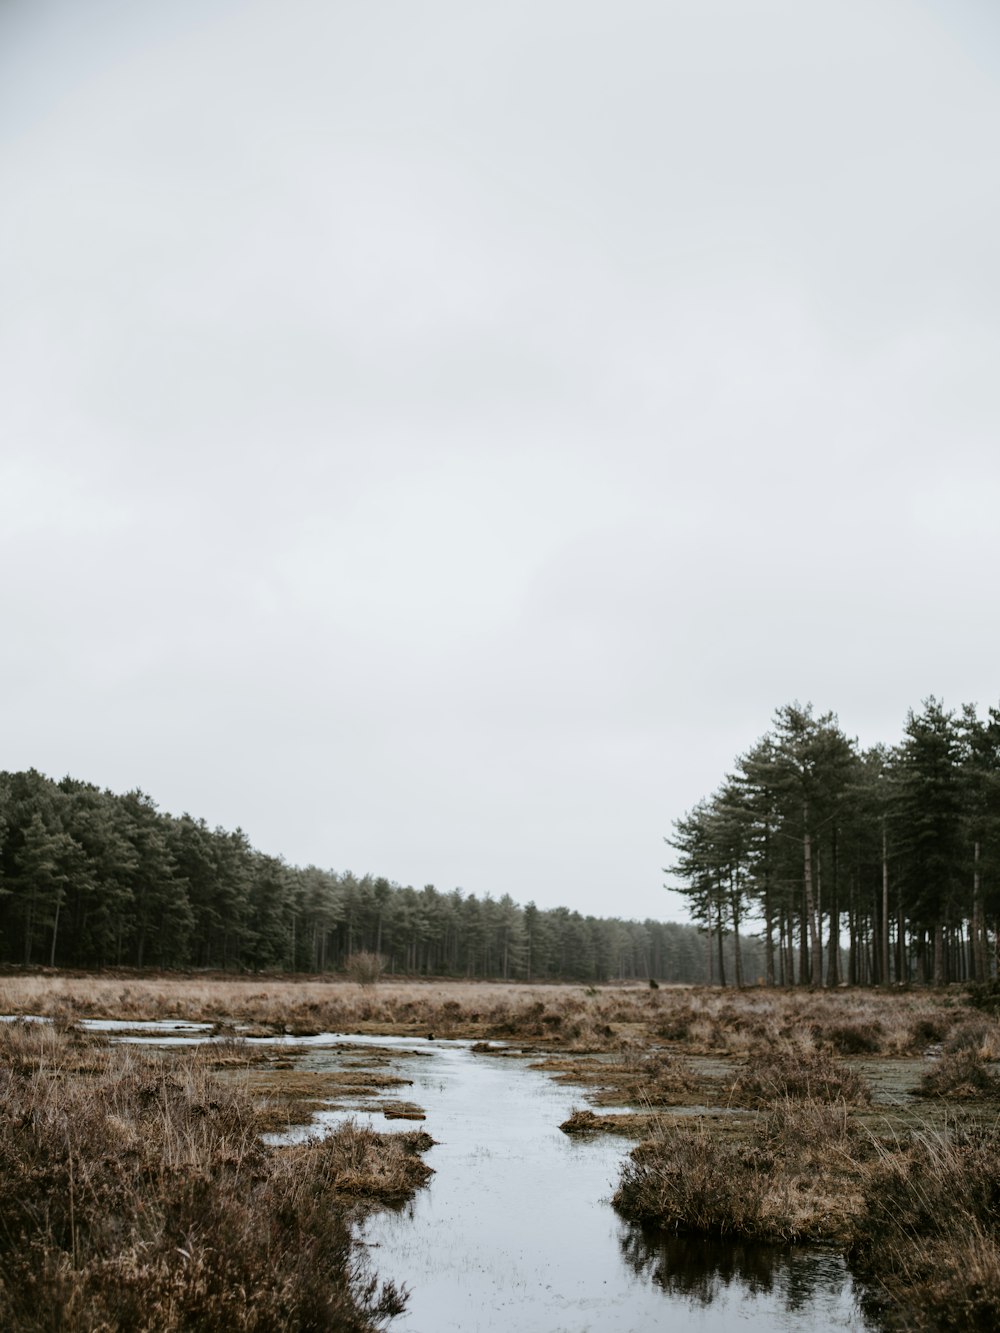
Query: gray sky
[[437, 436]]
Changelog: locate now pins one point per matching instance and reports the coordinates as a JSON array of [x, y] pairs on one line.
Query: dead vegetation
[[797, 1073], [789, 1176], [927, 1236], [571, 1018], [137, 1193], [855, 1118]]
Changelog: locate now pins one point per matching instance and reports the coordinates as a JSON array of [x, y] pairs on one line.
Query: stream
[[515, 1230]]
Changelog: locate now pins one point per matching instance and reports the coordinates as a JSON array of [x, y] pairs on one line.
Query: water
[[516, 1232]]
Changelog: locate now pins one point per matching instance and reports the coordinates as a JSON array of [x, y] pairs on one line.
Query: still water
[[515, 1230]]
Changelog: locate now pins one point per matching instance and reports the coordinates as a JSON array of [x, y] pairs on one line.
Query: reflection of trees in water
[[698, 1268]]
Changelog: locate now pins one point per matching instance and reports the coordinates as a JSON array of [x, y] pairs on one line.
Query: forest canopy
[[896, 847], [91, 879], [815, 862]]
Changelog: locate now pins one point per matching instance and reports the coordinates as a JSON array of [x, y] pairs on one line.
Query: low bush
[[685, 1179], [364, 967], [855, 1038], [791, 1176], [655, 1079]]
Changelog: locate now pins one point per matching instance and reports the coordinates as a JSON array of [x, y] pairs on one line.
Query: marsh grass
[[797, 1072], [138, 1194], [698, 1021], [141, 1187], [788, 1175], [633, 1125], [687, 1179], [961, 1074], [928, 1236], [629, 1077]]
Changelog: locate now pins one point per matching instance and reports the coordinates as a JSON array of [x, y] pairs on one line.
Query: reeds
[[788, 1178], [797, 1073]]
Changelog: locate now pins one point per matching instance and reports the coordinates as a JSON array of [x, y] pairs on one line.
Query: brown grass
[[697, 1021], [788, 1176], [582, 1121], [632, 1076], [960, 1074], [928, 1238], [809, 1074], [807, 1158], [139, 1195]]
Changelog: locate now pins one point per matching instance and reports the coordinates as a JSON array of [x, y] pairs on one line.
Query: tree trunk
[[708, 949], [55, 930], [938, 953], [737, 952], [833, 949], [719, 941], [810, 903], [980, 961], [885, 909], [852, 936]]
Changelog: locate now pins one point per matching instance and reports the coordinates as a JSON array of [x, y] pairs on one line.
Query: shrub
[[657, 1079], [687, 1180], [927, 1237], [365, 968], [855, 1038]]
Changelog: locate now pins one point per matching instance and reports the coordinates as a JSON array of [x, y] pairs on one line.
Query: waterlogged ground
[[830, 1116], [515, 1230]]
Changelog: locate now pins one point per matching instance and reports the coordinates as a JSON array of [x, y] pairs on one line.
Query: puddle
[[178, 1026]]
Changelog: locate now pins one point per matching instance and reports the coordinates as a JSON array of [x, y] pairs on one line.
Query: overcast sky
[[437, 436]]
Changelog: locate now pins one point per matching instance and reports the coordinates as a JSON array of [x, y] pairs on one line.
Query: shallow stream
[[515, 1230]]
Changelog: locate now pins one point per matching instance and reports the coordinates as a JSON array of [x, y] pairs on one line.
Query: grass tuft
[[797, 1073]]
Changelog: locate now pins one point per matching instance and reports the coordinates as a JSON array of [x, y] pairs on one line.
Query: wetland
[[481, 1156]]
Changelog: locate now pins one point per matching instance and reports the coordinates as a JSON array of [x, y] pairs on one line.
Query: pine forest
[[816, 862]]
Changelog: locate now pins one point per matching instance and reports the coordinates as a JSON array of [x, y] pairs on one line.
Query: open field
[[864, 1119], [695, 1019]]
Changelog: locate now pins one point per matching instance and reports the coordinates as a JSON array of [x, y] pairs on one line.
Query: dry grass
[[928, 1238], [630, 1077], [961, 1074], [137, 1194], [805, 1073], [809, 1159], [788, 1176], [287, 1095], [573, 1018], [582, 1121]]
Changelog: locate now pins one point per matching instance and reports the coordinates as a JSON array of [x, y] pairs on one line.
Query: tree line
[[865, 866], [91, 879]]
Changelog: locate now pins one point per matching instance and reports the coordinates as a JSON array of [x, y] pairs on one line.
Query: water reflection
[[698, 1270]]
